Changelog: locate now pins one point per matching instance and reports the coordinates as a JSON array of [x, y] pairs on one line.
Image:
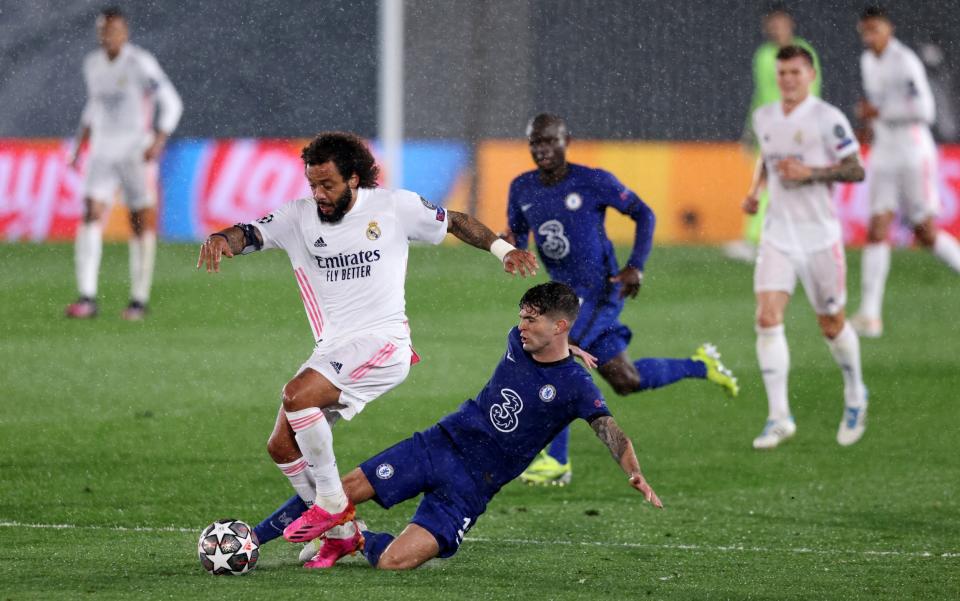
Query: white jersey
[[121, 97], [351, 273], [896, 83], [802, 218]]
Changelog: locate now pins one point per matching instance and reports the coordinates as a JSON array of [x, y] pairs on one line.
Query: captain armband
[[251, 243]]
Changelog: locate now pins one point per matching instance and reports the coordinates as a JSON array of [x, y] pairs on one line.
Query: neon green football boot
[[547, 471], [717, 372]]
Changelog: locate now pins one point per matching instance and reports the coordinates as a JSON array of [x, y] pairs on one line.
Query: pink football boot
[[315, 521], [333, 549]]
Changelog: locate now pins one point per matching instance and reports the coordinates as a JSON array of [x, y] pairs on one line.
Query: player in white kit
[[348, 248], [903, 160], [125, 85], [806, 145]]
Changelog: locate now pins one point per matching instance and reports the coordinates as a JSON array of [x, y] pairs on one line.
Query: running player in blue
[[460, 463], [564, 205]]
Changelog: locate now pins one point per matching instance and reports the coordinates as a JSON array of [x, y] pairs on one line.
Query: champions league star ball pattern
[[228, 547]]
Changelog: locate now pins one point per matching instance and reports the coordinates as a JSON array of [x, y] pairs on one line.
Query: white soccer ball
[[228, 547]]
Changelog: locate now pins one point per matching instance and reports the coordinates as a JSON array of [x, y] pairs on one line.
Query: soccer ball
[[228, 546]]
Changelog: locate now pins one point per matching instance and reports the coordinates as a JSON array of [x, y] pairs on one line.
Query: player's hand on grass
[[792, 170], [631, 279], [522, 262], [212, 250], [589, 360], [639, 482], [750, 205]]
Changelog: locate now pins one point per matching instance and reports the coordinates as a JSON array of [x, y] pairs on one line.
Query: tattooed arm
[[622, 451], [476, 234], [848, 169], [228, 242]]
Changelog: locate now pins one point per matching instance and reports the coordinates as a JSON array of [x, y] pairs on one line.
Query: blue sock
[[655, 373], [273, 526], [558, 448], [375, 543]]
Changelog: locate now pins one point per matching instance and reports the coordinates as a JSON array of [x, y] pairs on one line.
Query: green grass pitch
[[137, 435]]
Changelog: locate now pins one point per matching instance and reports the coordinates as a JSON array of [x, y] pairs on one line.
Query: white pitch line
[[564, 543]]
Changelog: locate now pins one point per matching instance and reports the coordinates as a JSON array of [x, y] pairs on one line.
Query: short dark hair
[[874, 11], [788, 52], [777, 8], [347, 151], [552, 298], [112, 12]]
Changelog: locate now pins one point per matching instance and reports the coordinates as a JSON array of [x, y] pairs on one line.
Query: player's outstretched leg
[[272, 526], [552, 466], [414, 547], [649, 373]]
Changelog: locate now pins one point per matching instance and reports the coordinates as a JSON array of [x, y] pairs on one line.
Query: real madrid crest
[[798, 137], [547, 393], [373, 231], [573, 201]]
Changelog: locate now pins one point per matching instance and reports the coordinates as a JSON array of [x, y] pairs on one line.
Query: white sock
[[774, 358], [344, 531], [315, 440], [947, 249], [143, 252], [876, 265], [301, 478], [845, 349], [88, 248]]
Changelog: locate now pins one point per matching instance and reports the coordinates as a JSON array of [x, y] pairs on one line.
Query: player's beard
[[339, 208]]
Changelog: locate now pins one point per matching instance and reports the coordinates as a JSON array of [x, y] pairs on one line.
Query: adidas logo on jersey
[[320, 244], [336, 366]]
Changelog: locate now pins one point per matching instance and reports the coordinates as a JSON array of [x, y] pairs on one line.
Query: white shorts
[[910, 187], [823, 274], [133, 176], [363, 368]]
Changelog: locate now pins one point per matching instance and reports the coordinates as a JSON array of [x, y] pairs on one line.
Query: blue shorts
[[598, 329], [427, 463]]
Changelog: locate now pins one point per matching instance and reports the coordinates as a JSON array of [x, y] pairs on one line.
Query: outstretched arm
[[622, 451], [476, 234], [751, 203], [237, 239]]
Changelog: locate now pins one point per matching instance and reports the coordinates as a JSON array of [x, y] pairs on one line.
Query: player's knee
[[926, 235], [769, 318], [395, 562], [625, 384], [276, 449], [831, 325], [293, 397]]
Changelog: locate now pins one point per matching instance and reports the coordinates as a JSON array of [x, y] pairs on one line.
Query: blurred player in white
[[348, 248], [903, 160], [806, 145], [125, 85]]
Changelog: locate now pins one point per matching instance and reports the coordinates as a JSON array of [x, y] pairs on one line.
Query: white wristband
[[500, 248]]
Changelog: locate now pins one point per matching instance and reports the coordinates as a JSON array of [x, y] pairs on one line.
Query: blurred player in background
[[778, 28], [903, 160], [348, 248], [806, 145], [564, 205], [125, 85], [461, 463]]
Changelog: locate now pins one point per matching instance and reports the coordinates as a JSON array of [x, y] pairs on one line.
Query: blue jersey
[[567, 221], [523, 406]]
